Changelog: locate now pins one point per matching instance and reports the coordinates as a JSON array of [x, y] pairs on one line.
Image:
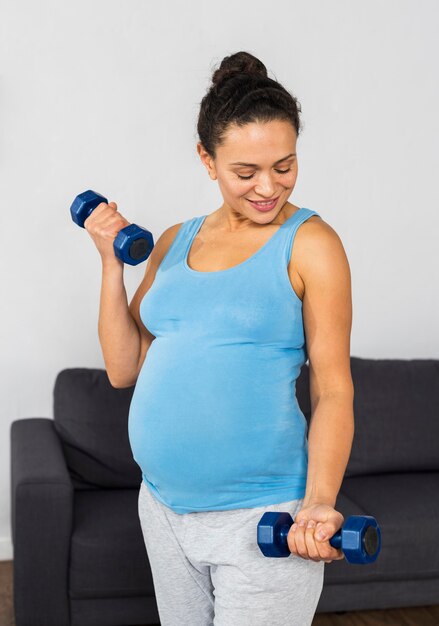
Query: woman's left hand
[[304, 539]]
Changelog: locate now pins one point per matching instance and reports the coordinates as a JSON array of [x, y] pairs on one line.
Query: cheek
[[290, 178], [236, 187]]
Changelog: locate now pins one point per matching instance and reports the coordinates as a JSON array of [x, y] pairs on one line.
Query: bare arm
[[119, 334], [327, 313], [123, 336]]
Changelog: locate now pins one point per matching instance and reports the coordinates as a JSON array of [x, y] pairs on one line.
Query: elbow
[[125, 379], [120, 384]]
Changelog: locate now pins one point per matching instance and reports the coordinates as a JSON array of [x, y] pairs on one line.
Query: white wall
[[104, 94]]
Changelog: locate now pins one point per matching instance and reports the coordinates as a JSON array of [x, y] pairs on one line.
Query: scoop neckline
[[228, 269]]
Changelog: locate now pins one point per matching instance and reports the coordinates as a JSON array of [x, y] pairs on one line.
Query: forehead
[[258, 140]]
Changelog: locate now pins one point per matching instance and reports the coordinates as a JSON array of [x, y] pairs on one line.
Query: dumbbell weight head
[[133, 244], [84, 204], [359, 538]]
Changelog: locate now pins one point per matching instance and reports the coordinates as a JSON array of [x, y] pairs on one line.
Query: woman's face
[[256, 162]]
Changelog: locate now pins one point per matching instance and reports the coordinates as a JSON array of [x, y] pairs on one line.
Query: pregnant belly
[[196, 424]]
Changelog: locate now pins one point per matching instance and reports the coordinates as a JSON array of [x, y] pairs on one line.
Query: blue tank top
[[214, 423]]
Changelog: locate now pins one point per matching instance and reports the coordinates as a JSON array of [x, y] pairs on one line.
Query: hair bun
[[239, 63]]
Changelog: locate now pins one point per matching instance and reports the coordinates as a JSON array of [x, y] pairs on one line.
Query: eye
[[251, 176]]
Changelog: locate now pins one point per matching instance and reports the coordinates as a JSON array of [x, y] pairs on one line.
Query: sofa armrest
[[41, 517]]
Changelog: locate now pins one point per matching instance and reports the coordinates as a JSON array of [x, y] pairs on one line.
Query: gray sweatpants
[[208, 569]]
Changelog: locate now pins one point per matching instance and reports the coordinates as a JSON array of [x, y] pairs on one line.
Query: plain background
[[104, 94]]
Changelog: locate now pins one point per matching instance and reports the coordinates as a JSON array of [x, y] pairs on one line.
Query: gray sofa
[[79, 556]]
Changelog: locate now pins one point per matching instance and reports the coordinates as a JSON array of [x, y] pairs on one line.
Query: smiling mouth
[[264, 201]]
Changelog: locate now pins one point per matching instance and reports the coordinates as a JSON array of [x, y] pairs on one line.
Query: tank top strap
[[177, 249], [288, 232]]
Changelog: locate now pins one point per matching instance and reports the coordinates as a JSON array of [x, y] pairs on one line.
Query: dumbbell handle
[[133, 244]]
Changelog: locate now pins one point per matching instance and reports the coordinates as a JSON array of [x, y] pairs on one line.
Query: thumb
[[324, 531], [113, 205]]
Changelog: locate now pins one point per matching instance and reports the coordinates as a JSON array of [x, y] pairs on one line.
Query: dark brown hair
[[241, 92]]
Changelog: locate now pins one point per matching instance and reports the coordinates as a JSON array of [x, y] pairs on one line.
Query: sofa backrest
[[396, 411], [91, 419]]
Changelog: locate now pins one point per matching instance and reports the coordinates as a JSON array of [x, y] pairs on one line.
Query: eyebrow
[[255, 165]]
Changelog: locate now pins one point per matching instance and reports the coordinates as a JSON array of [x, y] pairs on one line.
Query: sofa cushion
[[91, 418], [108, 555], [406, 508], [396, 408]]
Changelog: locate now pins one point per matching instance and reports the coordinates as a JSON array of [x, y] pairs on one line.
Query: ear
[[207, 161]]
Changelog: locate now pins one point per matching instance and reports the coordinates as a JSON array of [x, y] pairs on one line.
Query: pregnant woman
[[232, 305]]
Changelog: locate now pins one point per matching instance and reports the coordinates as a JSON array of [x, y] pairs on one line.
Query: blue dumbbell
[[359, 538], [132, 245]]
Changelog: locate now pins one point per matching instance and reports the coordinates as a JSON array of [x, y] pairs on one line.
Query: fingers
[[103, 210], [302, 541], [103, 225], [105, 219]]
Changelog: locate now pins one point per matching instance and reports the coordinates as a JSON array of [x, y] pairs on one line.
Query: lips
[[265, 206], [265, 201]]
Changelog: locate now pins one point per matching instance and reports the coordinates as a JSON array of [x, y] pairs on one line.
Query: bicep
[[327, 310]]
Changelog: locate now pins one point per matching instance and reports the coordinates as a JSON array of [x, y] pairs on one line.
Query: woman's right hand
[[103, 225]]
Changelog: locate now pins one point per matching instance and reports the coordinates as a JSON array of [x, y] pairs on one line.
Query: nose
[[265, 186]]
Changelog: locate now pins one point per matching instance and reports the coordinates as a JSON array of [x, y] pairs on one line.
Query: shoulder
[[163, 243], [318, 261], [317, 246], [170, 234]]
